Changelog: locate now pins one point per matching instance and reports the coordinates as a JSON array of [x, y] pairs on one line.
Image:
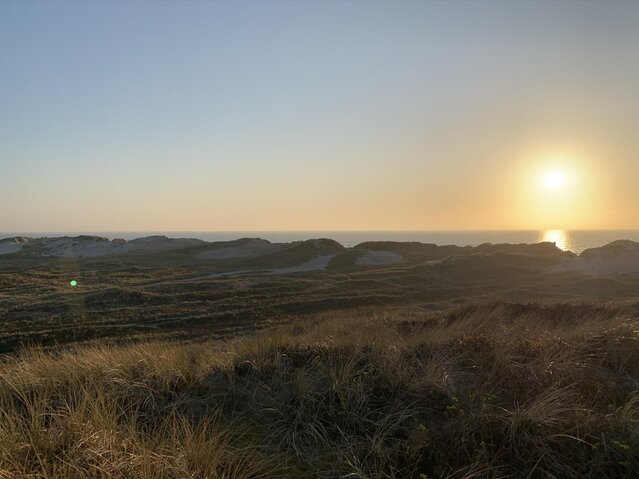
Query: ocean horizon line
[[460, 230]]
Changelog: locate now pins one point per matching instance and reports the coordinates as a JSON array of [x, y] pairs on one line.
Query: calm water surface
[[571, 240]]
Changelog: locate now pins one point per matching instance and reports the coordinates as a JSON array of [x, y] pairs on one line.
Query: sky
[[215, 116]]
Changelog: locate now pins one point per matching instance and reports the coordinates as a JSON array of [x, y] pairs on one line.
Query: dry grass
[[490, 390]]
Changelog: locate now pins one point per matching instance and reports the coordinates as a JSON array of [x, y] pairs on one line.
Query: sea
[[569, 240]]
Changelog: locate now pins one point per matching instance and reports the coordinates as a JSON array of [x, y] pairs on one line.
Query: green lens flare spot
[[73, 282]]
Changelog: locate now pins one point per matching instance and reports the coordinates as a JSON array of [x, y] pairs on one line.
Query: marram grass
[[492, 390]]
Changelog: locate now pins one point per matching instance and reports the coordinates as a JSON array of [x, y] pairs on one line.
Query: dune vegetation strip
[[491, 390]]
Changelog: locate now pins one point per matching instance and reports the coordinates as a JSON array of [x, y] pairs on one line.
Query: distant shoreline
[[570, 240]]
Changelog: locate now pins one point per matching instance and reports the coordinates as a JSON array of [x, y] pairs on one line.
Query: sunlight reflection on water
[[560, 237]]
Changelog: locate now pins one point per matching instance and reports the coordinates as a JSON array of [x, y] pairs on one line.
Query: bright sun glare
[[554, 180]]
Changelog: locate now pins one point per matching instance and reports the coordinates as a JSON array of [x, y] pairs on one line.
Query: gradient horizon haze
[[201, 116]]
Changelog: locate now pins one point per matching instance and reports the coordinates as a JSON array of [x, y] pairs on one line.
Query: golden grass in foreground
[[495, 390]]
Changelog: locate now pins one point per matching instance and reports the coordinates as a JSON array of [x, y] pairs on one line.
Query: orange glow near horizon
[[522, 189], [560, 191]]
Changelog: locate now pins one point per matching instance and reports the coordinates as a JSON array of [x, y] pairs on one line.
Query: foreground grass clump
[[492, 390]]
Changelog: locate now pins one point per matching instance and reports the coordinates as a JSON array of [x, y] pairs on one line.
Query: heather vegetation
[[489, 390], [182, 295]]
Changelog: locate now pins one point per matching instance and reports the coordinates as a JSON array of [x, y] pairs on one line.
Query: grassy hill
[[487, 390]]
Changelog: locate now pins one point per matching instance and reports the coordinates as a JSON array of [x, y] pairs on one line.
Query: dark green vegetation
[[494, 390]]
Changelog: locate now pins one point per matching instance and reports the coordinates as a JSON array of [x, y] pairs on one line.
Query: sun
[[554, 180]]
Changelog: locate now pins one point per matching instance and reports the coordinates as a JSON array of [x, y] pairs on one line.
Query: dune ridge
[[621, 256]]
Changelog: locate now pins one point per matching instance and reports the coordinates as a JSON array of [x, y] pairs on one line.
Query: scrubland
[[492, 389]]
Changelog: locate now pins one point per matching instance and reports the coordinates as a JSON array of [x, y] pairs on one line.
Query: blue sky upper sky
[[317, 115]]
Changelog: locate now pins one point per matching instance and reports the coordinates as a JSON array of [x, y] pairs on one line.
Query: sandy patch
[[93, 247], [623, 263], [9, 248]]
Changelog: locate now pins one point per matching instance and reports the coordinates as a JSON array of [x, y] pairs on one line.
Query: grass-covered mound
[[499, 390]]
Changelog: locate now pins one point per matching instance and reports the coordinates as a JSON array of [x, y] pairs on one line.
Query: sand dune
[[9, 248], [620, 256], [255, 254], [12, 245]]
